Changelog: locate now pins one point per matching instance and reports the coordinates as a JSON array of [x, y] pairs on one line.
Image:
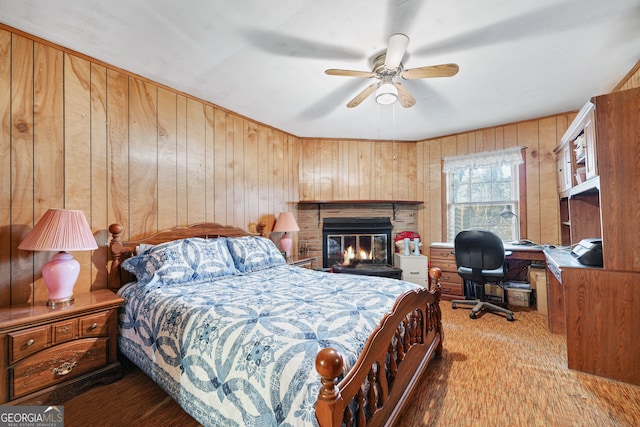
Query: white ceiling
[[265, 60]]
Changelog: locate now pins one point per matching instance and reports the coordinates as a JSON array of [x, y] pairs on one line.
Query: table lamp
[[60, 230], [286, 222]]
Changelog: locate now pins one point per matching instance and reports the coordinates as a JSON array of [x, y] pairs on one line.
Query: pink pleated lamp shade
[[286, 222], [60, 230]]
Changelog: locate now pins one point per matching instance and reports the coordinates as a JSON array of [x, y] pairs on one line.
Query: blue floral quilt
[[239, 350]]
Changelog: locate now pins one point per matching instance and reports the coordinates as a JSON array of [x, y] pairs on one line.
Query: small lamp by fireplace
[[60, 230], [286, 223]]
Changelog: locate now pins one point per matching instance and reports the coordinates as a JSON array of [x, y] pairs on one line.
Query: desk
[[441, 256]]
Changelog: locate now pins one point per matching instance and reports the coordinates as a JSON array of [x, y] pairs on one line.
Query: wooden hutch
[[599, 196]]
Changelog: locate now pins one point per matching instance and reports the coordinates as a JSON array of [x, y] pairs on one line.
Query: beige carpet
[[499, 373]]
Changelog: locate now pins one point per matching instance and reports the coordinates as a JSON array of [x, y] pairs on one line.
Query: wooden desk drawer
[[445, 264], [453, 289], [57, 364], [451, 277], [444, 253], [29, 341]]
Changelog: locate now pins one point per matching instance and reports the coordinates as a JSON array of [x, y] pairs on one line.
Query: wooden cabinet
[[451, 283], [597, 307], [50, 354], [414, 268]]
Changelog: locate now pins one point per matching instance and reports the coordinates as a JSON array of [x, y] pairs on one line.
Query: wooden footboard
[[392, 362]]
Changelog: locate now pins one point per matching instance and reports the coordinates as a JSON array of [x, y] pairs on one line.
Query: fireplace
[[352, 241]]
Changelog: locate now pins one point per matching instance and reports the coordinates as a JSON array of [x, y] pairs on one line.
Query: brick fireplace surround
[[310, 234]]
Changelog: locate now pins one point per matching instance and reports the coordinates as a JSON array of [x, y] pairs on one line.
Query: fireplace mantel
[[355, 202], [394, 204]]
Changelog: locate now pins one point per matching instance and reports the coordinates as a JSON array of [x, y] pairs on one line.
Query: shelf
[[590, 186]]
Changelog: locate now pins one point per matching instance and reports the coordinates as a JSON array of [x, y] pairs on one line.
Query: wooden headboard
[[119, 250]]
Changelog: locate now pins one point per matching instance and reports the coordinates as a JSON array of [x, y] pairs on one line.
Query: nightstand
[[51, 354], [414, 268], [306, 262]]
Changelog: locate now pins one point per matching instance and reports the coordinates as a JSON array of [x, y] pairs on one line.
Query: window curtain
[[507, 157]]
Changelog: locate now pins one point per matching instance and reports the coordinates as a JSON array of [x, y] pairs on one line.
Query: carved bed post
[[434, 280], [116, 249], [330, 405]]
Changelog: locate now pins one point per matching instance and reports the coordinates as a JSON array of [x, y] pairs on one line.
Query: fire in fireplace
[[350, 241]]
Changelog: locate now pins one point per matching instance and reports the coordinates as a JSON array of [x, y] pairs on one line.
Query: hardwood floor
[[135, 400]]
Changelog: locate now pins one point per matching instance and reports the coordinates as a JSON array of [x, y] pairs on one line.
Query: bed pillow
[[180, 261], [253, 253]]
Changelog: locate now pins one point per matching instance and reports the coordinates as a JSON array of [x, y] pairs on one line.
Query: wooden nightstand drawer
[[26, 342], [444, 264], [64, 331], [95, 325], [57, 364], [451, 277]]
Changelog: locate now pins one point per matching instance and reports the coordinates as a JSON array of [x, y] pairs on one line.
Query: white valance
[[507, 157]]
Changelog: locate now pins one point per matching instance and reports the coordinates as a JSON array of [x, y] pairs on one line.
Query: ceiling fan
[[387, 66]]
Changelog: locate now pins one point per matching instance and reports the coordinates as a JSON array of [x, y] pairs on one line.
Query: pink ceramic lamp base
[[285, 244], [60, 275]]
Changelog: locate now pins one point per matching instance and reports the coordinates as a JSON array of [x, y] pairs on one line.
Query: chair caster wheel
[[510, 318], [454, 306], [472, 315]]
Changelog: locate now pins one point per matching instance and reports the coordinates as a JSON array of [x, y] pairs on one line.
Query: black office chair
[[480, 257]]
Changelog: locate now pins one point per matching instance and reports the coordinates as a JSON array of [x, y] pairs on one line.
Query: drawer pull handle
[[93, 326], [64, 369], [64, 329], [414, 272], [30, 341]]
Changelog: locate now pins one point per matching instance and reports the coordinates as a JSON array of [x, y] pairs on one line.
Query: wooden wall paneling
[[265, 176], [74, 179], [251, 175], [167, 200], [422, 168], [326, 161], [293, 168], [280, 177], [99, 175], [353, 177], [306, 171], [238, 172], [231, 165], [366, 170], [528, 136], [499, 134], [143, 157], [5, 168], [22, 154], [549, 213], [181, 163], [220, 184], [196, 154], [118, 152], [210, 162]]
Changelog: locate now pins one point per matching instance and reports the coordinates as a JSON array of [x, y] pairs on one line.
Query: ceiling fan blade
[[395, 50], [363, 95], [404, 97], [443, 70], [348, 73]]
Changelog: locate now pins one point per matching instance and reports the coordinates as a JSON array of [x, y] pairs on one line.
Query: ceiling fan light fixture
[[386, 94]]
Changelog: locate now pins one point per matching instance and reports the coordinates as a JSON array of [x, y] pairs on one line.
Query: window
[[483, 191]]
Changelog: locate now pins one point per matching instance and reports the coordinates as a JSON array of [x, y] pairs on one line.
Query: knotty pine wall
[[79, 134]]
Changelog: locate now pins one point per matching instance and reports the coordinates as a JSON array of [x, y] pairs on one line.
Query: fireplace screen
[[350, 241], [349, 249]]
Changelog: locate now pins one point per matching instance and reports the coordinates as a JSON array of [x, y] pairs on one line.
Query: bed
[[218, 319]]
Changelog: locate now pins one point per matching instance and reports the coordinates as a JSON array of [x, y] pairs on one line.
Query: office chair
[[480, 258]]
